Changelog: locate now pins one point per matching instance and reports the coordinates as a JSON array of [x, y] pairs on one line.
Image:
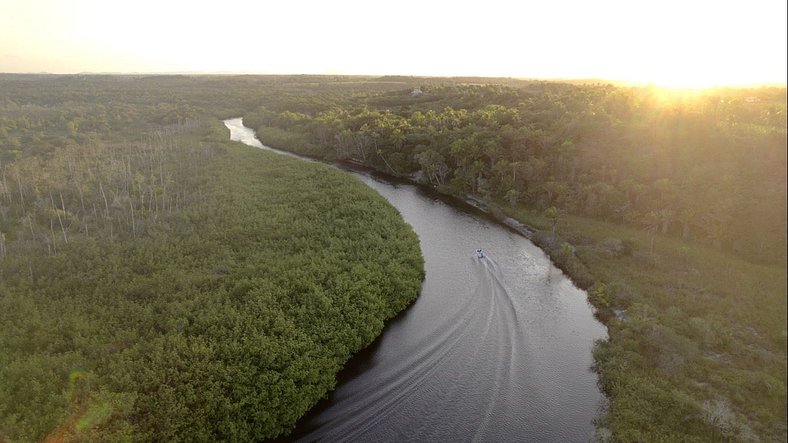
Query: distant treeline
[[161, 283], [709, 167]]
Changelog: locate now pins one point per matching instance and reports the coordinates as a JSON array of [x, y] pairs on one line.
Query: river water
[[494, 349]]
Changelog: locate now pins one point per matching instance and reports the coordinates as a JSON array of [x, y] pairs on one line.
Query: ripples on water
[[494, 349]]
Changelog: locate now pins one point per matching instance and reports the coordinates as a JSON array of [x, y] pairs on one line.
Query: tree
[[652, 222], [552, 213], [512, 196], [433, 166]]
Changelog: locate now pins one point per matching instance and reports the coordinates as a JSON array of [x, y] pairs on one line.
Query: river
[[494, 349]]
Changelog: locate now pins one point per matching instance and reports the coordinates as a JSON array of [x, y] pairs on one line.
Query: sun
[[702, 74]]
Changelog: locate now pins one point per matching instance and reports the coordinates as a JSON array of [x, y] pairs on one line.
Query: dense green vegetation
[[669, 206], [160, 283], [708, 168]]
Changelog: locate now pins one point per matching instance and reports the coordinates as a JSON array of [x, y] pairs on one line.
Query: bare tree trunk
[[387, 163], [21, 194], [5, 187], [106, 204], [54, 239], [127, 176], [161, 176], [70, 161], [81, 198], [59, 219], [651, 249], [133, 225]]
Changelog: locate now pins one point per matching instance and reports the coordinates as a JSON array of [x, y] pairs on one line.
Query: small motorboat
[[480, 253]]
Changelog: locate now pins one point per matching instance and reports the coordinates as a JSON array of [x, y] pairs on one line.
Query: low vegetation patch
[[697, 337]]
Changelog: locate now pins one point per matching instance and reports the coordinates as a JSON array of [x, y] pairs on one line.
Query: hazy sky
[[673, 42]]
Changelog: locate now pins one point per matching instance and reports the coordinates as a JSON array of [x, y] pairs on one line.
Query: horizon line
[[615, 82]]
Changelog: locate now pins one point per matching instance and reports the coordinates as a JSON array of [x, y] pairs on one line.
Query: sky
[[681, 43]]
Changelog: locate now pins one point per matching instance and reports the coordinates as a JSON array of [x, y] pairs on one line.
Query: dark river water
[[494, 349]]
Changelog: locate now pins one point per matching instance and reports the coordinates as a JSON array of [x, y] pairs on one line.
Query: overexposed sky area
[[669, 42]]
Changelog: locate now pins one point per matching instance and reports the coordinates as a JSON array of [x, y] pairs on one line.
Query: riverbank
[[560, 251], [689, 336], [530, 224], [695, 352]]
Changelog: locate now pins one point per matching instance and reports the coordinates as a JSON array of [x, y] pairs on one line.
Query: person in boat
[[480, 253]]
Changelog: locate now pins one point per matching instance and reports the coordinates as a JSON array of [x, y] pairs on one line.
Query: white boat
[[480, 253]]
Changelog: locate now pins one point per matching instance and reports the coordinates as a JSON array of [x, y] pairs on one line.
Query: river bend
[[494, 349]]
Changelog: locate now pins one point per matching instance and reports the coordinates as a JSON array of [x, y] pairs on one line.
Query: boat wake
[[486, 323]]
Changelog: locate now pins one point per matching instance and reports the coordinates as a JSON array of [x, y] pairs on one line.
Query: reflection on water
[[495, 348]]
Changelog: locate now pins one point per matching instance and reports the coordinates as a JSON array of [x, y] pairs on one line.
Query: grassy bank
[[697, 337]]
